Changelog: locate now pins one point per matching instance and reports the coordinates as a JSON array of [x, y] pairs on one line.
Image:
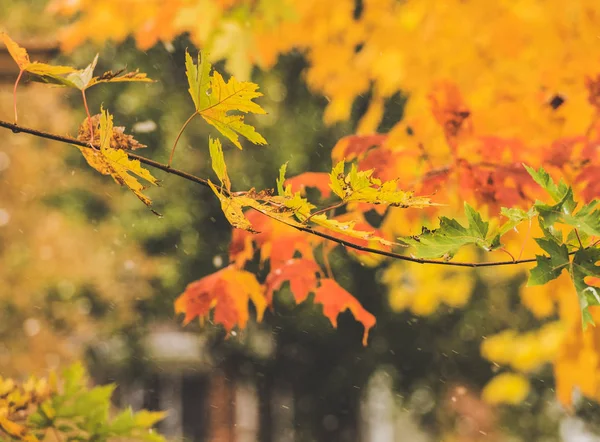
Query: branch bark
[[193, 178]]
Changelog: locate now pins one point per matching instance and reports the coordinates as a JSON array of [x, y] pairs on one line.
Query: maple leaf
[[543, 178], [318, 180], [84, 79], [119, 139], [589, 178], [214, 99], [232, 209], [335, 300], [20, 56], [228, 292], [586, 219], [116, 163], [449, 109], [347, 228], [218, 162], [446, 240], [276, 241], [581, 266], [356, 146], [515, 217], [363, 187], [301, 273]]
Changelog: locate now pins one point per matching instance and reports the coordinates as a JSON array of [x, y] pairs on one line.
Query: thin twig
[[166, 168]]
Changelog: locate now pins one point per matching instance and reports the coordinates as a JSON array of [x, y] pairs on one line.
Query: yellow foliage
[[578, 363], [499, 64], [506, 388], [422, 289], [54, 259], [511, 57], [525, 352]]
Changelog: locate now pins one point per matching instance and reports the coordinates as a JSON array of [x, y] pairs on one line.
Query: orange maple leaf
[[336, 299], [356, 146], [450, 111], [301, 273], [277, 242], [318, 180], [227, 292]]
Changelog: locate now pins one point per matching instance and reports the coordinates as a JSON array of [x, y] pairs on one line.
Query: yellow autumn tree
[[514, 81]]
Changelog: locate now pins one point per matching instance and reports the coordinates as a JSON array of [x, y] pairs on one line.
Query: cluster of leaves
[[435, 152], [65, 408]]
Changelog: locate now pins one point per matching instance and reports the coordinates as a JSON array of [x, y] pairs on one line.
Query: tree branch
[[187, 176]]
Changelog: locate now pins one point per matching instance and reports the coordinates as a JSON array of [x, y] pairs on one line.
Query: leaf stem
[[15, 94], [188, 176], [89, 118], [179, 136], [578, 238], [325, 209], [508, 253]]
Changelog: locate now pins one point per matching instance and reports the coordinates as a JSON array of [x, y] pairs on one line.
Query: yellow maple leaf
[[214, 99], [232, 210], [21, 57], [116, 162], [218, 162]]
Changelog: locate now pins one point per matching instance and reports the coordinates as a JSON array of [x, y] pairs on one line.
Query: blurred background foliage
[[88, 272]]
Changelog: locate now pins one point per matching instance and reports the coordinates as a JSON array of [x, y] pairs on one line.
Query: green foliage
[[515, 217], [446, 240], [582, 262], [70, 410]]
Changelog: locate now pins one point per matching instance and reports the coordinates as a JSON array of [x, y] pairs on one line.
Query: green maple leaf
[[543, 178], [586, 219], [515, 217], [581, 265], [446, 240], [281, 189], [215, 99], [549, 266]]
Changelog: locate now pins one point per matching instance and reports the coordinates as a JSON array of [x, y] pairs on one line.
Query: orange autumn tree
[[516, 85]]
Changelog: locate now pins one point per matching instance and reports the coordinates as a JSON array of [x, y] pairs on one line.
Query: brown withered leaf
[[119, 139]]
